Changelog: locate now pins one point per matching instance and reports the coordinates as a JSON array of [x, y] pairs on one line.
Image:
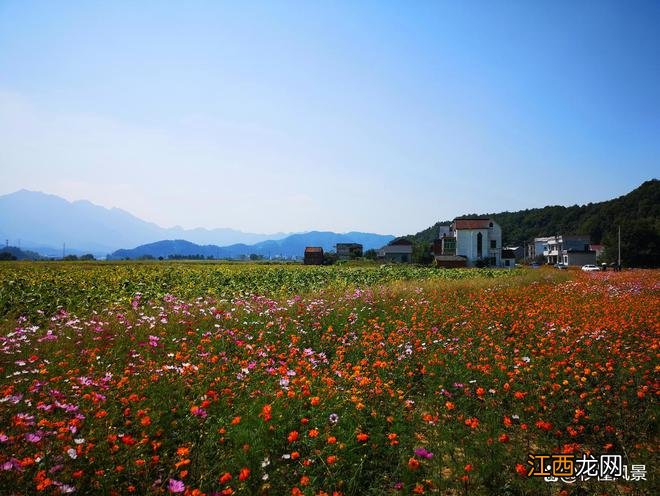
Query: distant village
[[476, 242]]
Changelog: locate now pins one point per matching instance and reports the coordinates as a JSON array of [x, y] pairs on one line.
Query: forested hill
[[638, 214]]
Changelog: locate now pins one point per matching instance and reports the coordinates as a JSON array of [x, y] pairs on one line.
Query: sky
[[284, 116]]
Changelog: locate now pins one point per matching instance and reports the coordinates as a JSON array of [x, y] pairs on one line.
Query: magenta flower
[[33, 438], [423, 453], [176, 486]]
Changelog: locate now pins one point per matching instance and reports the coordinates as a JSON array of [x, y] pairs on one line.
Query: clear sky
[[289, 116]]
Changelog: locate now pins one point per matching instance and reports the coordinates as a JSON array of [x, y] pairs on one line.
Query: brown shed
[[313, 255]]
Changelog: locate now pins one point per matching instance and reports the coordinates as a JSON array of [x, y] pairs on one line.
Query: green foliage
[[26, 288]]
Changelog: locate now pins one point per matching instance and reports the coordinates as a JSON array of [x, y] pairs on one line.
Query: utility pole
[[63, 249]]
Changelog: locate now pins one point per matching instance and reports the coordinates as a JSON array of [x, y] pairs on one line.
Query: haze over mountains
[[43, 222]]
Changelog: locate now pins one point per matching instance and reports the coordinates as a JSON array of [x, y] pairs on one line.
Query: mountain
[[43, 222], [16, 253], [291, 246], [638, 214]]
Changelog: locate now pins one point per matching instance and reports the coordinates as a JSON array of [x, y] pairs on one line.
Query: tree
[[87, 256], [371, 254], [5, 255], [422, 253], [329, 257]]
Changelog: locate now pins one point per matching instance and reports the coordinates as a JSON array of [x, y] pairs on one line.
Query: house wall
[[466, 244], [579, 259], [313, 259]]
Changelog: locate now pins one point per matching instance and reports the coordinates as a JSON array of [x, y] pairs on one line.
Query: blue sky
[[289, 116]]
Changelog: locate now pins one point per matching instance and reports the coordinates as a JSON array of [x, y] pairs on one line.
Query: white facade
[[479, 239]]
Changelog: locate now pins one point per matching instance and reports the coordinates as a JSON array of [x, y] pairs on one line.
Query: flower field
[[247, 379]]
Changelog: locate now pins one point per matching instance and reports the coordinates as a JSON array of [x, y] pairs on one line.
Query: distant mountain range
[[43, 222], [291, 246]]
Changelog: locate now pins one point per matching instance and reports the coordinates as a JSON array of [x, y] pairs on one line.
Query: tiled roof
[[313, 249], [471, 223]]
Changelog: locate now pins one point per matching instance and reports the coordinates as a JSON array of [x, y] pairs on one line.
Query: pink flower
[[176, 486], [423, 453]]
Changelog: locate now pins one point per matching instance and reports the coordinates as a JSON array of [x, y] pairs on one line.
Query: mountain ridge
[[289, 247], [45, 220]]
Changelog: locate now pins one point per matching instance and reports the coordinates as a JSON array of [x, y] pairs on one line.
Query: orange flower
[[183, 451], [472, 422], [304, 480], [224, 478], [468, 467], [331, 459], [449, 405], [315, 401], [266, 413], [332, 440], [362, 437], [236, 420], [244, 474], [413, 463], [313, 433], [293, 436]]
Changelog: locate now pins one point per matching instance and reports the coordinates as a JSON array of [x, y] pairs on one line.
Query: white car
[[590, 268]]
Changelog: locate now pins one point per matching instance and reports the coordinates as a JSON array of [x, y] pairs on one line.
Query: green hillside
[[638, 214]]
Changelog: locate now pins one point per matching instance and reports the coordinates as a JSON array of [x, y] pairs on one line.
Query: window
[[490, 224], [479, 245], [493, 243]]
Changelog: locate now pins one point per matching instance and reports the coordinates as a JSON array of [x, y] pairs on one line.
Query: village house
[[536, 247], [508, 258], [518, 251], [348, 251], [478, 240], [572, 250], [469, 242], [313, 255], [444, 249], [398, 250]]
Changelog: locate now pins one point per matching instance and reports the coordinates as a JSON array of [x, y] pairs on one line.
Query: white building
[[398, 250], [569, 250], [479, 240]]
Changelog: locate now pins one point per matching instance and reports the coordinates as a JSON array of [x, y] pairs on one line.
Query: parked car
[[561, 266], [590, 268], [535, 265]]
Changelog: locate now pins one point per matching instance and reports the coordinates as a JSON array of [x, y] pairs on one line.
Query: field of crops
[[257, 379], [28, 288]]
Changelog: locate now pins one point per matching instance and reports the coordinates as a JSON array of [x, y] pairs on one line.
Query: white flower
[[72, 453]]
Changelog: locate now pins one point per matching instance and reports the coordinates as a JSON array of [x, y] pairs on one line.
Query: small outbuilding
[[313, 255], [508, 258], [400, 250]]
